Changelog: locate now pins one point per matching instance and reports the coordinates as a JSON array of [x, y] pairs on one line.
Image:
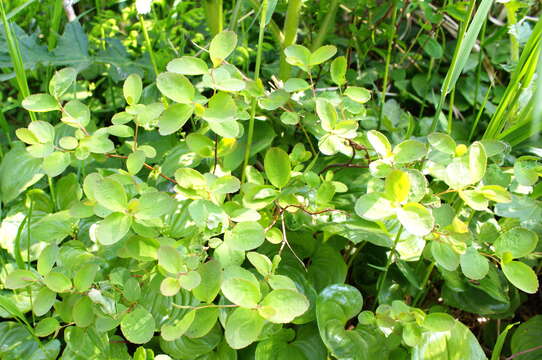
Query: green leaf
[[28, 169], [85, 277], [296, 84], [246, 235], [222, 45], [397, 185], [169, 287], [416, 219], [521, 276], [132, 89], [176, 87], [188, 65], [338, 70], [20, 278], [442, 142], [204, 321], [170, 259], [358, 94], [83, 312], [283, 305], [438, 322], [474, 265], [40, 103], [241, 287], [190, 280], [298, 55], [274, 100], [527, 337], [57, 282], [56, 163], [18, 343], [477, 162], [179, 327], [374, 206], [475, 199], [243, 327], [327, 114], [138, 325], [46, 326], [135, 161], [111, 195], [277, 167], [62, 81], [430, 46], [43, 301], [76, 114], [113, 228], [496, 193], [211, 278], [47, 259], [379, 142], [43, 131], [174, 118], [409, 151], [444, 255], [132, 289], [153, 205], [322, 54], [519, 242], [260, 263]]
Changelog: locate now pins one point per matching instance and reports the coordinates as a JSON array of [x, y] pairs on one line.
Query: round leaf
[[519, 242], [222, 46], [283, 305], [416, 219], [247, 235], [243, 327], [40, 103], [138, 325], [176, 87], [474, 265], [277, 167], [132, 89], [174, 118], [521, 276]]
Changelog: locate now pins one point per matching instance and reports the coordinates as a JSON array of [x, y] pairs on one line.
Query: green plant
[[213, 211]]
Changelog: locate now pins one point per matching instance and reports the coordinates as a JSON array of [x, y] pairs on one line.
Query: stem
[[291, 23], [204, 306], [148, 44], [326, 25], [382, 279], [53, 193], [424, 282], [214, 13], [512, 20], [451, 111], [256, 78], [524, 352], [387, 66]]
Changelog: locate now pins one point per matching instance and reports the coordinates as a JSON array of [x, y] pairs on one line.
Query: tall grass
[[16, 58], [215, 15], [291, 23]]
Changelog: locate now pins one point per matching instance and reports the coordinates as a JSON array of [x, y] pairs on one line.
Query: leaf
[[57, 282], [379, 142], [46, 326], [298, 55], [246, 235], [40, 103], [62, 81], [43, 301], [18, 343], [47, 259], [295, 85], [169, 287], [83, 313], [430, 46], [322, 54], [283, 306], [519, 242], [204, 321], [240, 287], [113, 228], [185, 348], [374, 206], [477, 162], [170, 259], [138, 325], [85, 277], [442, 142], [358, 94], [260, 262], [416, 219], [188, 65], [409, 151], [28, 169], [190, 280], [176, 87], [132, 89], [277, 167], [243, 327], [56, 163], [526, 337], [474, 265], [174, 118], [222, 45], [76, 114], [521, 276], [444, 255], [327, 114], [338, 70], [135, 161], [211, 278], [397, 185], [111, 195], [475, 199], [153, 205], [335, 305], [20, 278], [179, 327]]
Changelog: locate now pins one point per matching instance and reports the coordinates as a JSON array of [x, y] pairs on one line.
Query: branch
[[145, 165], [524, 352]]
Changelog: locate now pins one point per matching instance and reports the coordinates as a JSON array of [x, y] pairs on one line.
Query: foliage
[[195, 211]]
